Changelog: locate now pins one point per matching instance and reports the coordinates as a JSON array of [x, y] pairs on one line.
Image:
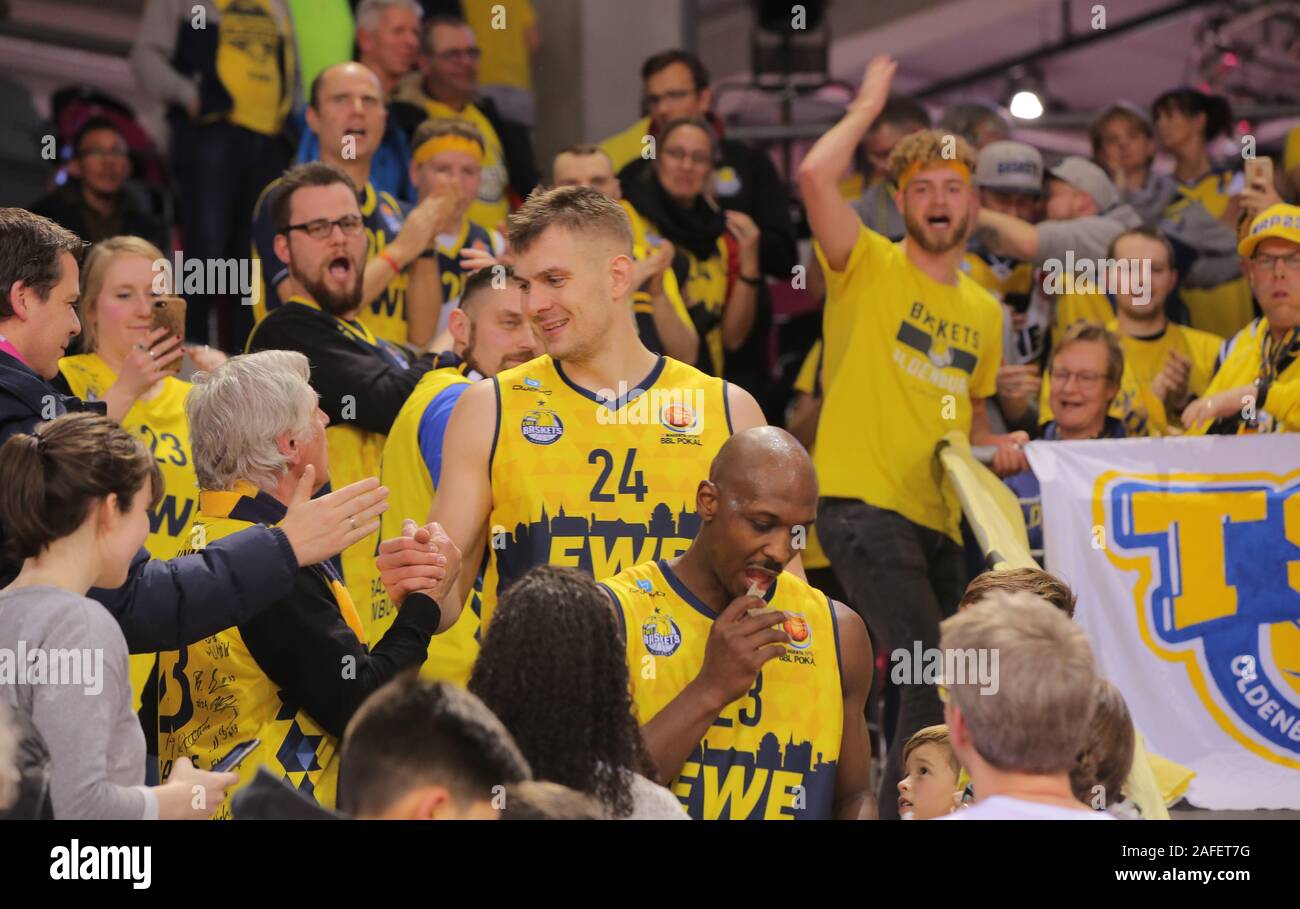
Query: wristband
[[392, 263], [752, 282]]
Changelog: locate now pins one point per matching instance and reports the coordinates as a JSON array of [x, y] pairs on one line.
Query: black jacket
[[342, 366], [164, 605], [758, 191], [270, 798], [65, 206]]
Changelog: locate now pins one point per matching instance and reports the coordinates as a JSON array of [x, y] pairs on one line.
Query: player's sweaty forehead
[[763, 462]]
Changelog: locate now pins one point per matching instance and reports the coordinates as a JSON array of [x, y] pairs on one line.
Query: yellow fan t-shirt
[[904, 356]]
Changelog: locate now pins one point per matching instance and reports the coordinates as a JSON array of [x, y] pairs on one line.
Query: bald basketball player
[[750, 682]]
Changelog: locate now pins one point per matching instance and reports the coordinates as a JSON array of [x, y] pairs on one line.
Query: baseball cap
[[1009, 166], [1281, 220], [1087, 177]]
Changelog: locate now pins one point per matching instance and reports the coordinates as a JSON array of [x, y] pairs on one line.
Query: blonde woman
[[126, 365]]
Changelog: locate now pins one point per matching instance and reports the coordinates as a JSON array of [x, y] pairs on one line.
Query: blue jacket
[[164, 605], [389, 168]]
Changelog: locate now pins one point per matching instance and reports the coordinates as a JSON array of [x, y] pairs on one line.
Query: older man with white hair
[[288, 681], [388, 38]]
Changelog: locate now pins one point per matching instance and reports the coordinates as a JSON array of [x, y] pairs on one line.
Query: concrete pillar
[[587, 74]]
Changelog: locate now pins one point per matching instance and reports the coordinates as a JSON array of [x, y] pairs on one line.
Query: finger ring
[[353, 521], [152, 355]]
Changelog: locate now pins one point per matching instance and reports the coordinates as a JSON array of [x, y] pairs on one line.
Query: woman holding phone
[[131, 365], [75, 497]]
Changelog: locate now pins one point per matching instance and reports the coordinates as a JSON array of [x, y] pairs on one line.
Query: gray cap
[[1009, 167], [1087, 177]]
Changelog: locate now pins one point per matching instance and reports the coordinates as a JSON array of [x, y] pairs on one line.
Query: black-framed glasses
[[321, 228], [115, 153], [677, 94], [1290, 262], [469, 53], [682, 156]]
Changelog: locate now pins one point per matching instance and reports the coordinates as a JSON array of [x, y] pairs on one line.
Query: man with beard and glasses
[[362, 381], [754, 710], [912, 350], [489, 334]]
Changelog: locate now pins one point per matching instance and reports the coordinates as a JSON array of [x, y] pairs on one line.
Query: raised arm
[[834, 223], [1007, 235]]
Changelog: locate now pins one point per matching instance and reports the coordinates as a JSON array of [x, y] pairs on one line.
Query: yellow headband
[[439, 144], [917, 166]]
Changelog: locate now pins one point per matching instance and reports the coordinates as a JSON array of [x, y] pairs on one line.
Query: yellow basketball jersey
[[161, 424], [213, 695], [410, 488], [592, 483], [771, 755]]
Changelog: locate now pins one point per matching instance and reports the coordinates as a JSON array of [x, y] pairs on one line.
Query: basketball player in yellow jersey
[[589, 455], [749, 682], [489, 334]]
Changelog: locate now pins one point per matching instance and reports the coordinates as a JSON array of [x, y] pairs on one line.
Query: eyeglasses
[[677, 94], [321, 228], [681, 155], [469, 53], [104, 153], [1086, 378], [1290, 262]]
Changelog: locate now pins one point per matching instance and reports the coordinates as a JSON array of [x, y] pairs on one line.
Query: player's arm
[[1007, 235], [738, 646], [745, 412], [834, 223], [464, 498], [854, 794]]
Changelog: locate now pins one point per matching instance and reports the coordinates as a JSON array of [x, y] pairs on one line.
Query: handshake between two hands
[[422, 560]]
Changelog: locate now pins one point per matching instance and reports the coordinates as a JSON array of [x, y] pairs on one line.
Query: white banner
[[1185, 554]]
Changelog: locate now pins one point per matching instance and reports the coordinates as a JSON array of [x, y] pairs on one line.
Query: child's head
[[929, 788], [1016, 580], [1103, 766]]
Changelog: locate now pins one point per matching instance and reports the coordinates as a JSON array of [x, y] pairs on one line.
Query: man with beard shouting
[[362, 381], [912, 349]]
